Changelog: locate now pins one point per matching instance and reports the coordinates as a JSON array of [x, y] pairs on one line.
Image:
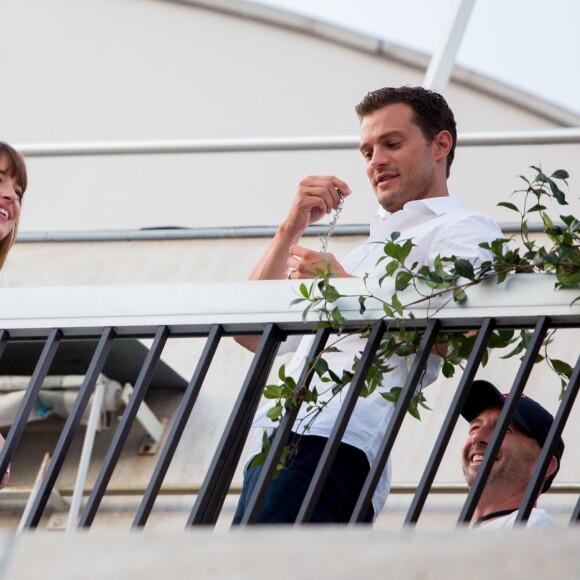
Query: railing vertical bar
[[237, 445], [504, 419], [183, 412], [221, 471], [535, 486], [411, 382], [283, 431], [330, 449], [3, 340], [575, 519], [450, 421], [36, 381], [70, 427], [122, 432]]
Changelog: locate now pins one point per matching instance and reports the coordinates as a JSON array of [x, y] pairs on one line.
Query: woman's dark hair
[[17, 169]]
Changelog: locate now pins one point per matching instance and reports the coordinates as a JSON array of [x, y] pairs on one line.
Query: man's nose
[[380, 157], [481, 435]]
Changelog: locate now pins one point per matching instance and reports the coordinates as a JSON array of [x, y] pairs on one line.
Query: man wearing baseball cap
[[516, 460]]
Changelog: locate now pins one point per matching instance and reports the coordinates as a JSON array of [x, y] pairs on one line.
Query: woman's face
[[10, 197]]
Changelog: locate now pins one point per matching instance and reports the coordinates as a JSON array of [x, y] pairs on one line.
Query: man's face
[[516, 459], [400, 163], [10, 194]]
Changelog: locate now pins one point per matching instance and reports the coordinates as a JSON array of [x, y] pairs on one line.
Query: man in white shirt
[[408, 138], [513, 468]]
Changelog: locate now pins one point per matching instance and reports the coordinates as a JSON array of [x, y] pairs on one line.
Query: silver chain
[[326, 236]]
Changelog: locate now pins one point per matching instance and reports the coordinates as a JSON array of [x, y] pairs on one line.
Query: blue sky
[[531, 44]]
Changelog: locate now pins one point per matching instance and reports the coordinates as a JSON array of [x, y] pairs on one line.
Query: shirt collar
[[436, 205]]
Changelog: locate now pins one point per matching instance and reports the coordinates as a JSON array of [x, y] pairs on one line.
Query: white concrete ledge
[[318, 553], [205, 303]]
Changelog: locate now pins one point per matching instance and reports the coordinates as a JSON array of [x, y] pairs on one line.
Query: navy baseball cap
[[529, 416]]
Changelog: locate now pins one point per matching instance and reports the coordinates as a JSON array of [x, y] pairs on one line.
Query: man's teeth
[[4, 213], [477, 458]]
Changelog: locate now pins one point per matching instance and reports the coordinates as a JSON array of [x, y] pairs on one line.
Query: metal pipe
[[567, 135], [216, 233], [85, 460], [236, 489]]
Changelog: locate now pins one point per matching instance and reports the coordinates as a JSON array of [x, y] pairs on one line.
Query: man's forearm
[[274, 262]]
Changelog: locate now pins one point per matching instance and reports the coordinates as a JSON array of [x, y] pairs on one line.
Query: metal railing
[[568, 135], [273, 328]]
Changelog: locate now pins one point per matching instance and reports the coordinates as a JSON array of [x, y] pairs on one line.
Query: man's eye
[[394, 145], [367, 154]]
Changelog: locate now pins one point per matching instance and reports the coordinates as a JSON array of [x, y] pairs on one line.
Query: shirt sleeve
[[461, 238]]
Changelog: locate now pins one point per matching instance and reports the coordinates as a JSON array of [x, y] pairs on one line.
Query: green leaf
[[406, 250], [464, 268], [392, 250], [448, 369], [337, 316], [561, 367], [568, 275], [331, 293], [391, 267], [320, 366], [536, 208], [459, 295], [414, 412], [403, 279], [273, 391], [397, 304], [501, 338], [560, 174], [388, 311], [557, 193], [509, 205], [392, 395], [282, 372], [275, 412], [361, 302]]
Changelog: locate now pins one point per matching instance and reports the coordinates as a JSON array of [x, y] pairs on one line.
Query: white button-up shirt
[[437, 226]]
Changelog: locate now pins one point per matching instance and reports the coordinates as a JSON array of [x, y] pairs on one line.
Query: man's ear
[[442, 144], [552, 468]]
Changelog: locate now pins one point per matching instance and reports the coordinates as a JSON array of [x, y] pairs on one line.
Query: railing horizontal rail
[[288, 328], [217, 233], [265, 144], [171, 489]]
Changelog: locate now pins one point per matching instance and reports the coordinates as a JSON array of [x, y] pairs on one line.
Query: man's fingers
[[328, 189]]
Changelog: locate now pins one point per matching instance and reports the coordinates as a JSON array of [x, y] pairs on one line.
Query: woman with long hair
[[13, 182]]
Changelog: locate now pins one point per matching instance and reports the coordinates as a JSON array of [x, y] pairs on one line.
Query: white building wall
[[118, 70]]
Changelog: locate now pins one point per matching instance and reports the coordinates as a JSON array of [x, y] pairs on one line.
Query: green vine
[[449, 279]]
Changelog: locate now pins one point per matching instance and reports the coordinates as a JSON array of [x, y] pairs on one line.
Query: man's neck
[[495, 501]]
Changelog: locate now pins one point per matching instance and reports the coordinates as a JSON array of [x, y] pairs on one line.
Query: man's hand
[[316, 197], [304, 263]]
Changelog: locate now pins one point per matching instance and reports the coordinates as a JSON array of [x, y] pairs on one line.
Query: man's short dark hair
[[431, 113]]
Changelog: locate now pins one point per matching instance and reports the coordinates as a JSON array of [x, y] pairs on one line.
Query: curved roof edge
[[382, 48]]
